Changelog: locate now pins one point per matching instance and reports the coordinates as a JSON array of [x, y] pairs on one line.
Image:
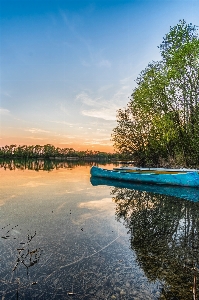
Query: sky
[[67, 66]]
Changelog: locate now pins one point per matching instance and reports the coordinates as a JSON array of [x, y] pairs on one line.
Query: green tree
[[162, 118], [49, 151]]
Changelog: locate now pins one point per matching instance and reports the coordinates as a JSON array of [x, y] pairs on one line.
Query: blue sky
[[67, 66]]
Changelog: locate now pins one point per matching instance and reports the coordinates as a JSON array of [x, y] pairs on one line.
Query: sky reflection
[[67, 237]]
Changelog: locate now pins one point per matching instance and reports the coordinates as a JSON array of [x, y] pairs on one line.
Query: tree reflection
[[165, 237], [39, 164]]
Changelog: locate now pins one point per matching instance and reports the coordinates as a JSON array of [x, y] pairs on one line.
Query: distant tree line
[[49, 151], [161, 121]]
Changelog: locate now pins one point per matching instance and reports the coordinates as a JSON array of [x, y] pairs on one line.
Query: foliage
[[49, 151], [161, 120]]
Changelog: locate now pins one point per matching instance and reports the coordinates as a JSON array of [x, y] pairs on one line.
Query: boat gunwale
[[181, 170], [188, 179]]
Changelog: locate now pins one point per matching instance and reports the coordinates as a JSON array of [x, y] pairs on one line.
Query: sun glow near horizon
[[62, 134], [68, 66]]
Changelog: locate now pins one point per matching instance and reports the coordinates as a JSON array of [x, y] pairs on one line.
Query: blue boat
[[185, 178]]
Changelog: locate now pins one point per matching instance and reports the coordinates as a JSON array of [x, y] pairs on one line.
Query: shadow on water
[[164, 233]]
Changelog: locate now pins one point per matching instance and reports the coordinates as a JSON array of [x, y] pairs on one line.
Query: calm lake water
[[64, 235]]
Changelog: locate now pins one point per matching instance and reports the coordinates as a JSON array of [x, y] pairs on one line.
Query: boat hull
[[180, 179]]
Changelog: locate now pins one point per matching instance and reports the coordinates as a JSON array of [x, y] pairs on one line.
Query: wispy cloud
[[64, 123], [6, 94], [98, 141], [105, 88], [104, 63], [36, 138], [69, 136], [95, 57], [103, 113], [4, 111], [100, 107], [36, 130], [85, 99], [72, 27], [127, 80], [63, 109]]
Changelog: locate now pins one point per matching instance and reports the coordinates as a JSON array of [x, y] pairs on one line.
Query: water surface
[[62, 237]]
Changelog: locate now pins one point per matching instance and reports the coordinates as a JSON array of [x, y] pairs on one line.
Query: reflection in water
[[188, 193], [42, 164], [84, 251], [165, 236], [78, 247]]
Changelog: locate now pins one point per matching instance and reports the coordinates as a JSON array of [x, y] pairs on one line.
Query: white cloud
[[126, 80], [36, 130], [98, 141], [63, 122], [100, 107], [36, 138], [105, 113], [105, 88], [4, 111], [84, 98], [104, 63]]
